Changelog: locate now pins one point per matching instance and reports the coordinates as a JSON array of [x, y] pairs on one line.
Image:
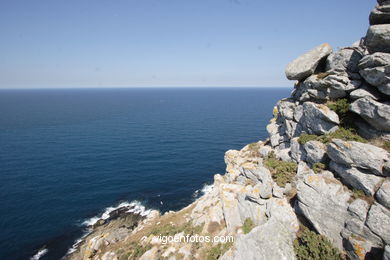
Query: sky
[[167, 43]]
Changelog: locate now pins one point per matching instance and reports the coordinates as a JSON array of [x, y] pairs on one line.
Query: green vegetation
[[358, 194], [135, 252], [318, 167], [282, 172], [386, 145], [248, 225], [340, 106], [312, 246], [170, 230], [217, 251], [304, 138], [346, 134]]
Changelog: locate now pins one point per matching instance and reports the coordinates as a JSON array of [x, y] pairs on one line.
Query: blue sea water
[[67, 154]]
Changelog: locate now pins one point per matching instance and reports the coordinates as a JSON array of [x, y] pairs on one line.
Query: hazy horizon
[[129, 43]]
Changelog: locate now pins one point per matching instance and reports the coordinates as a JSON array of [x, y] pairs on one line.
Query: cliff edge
[[318, 188]]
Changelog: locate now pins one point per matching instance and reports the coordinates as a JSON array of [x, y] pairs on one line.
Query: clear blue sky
[[104, 43]]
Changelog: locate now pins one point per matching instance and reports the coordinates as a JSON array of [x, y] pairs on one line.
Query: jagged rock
[[380, 14], [317, 194], [378, 38], [386, 254], [375, 113], [297, 152], [305, 65], [356, 248], [359, 208], [109, 256], [286, 108], [383, 194], [375, 69], [317, 118], [345, 59], [151, 254], [368, 183], [265, 150], [259, 244], [367, 131], [360, 155], [378, 220], [303, 169], [365, 91], [315, 151], [283, 154]]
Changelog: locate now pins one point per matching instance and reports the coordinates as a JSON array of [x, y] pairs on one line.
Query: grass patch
[[312, 246], [340, 106], [170, 230], [386, 145], [248, 225], [217, 251], [346, 134], [304, 138], [318, 167], [282, 172], [135, 252]]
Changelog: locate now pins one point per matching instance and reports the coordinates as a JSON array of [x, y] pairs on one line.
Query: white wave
[[207, 188], [134, 207], [39, 254]]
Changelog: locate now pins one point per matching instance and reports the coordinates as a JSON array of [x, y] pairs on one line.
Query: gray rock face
[[383, 194], [318, 119], [380, 14], [355, 154], [315, 151], [386, 254], [375, 113], [375, 69], [368, 183], [378, 38], [317, 194], [365, 91], [378, 221], [359, 209], [346, 59], [258, 244], [305, 65]]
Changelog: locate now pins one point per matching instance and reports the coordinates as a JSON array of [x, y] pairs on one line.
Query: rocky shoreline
[[318, 188]]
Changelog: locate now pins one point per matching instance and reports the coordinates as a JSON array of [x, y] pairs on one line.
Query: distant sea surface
[[67, 154]]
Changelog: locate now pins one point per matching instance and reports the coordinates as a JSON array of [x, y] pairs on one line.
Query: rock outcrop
[[325, 167]]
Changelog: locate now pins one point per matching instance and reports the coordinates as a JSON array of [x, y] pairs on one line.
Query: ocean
[[66, 155]]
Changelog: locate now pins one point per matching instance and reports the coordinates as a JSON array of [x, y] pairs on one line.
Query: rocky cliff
[[318, 188]]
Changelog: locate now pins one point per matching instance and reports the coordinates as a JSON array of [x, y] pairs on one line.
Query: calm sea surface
[[66, 155]]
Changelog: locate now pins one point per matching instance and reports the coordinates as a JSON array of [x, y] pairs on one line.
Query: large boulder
[[306, 65], [315, 151], [346, 59], [316, 118], [375, 113], [378, 38], [365, 91], [380, 14], [359, 155], [368, 183], [375, 69], [323, 200], [383, 194], [378, 221]]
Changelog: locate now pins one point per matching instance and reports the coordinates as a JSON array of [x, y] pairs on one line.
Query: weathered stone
[[259, 244], [365, 91], [360, 155], [378, 38], [345, 59], [359, 208], [356, 248], [305, 65], [380, 14], [386, 254], [378, 220], [317, 194], [297, 152], [375, 69], [315, 151], [368, 183], [383, 194], [318, 119], [375, 113]]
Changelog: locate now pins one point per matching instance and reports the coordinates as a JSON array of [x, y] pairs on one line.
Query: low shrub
[[217, 251], [340, 106], [318, 167], [248, 225], [304, 138], [346, 134], [312, 246], [282, 172]]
